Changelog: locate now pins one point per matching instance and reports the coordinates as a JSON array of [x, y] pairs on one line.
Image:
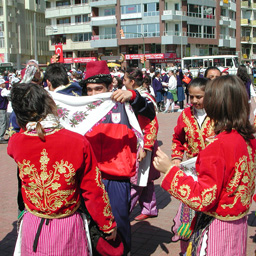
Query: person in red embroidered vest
[[53, 178], [144, 192], [222, 195], [190, 137]]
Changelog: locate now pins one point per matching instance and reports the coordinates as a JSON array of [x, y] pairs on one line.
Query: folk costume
[[222, 195], [145, 194], [190, 134], [114, 143], [52, 179]]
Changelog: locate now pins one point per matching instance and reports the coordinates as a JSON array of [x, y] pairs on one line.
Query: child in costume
[[190, 136], [145, 194], [53, 178], [222, 195]]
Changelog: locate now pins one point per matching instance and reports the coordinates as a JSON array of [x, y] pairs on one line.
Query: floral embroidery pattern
[[242, 183], [62, 112], [43, 189], [78, 117]]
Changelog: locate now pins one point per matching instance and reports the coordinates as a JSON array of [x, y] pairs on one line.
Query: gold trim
[[54, 215]]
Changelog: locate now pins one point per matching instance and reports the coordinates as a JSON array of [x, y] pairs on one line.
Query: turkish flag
[[59, 52]]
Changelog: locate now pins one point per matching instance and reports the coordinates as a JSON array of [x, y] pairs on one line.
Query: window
[[151, 30], [58, 39], [177, 29], [132, 31], [109, 33], [209, 32], [63, 20], [176, 7], [126, 9], [86, 18], [151, 9], [194, 10], [63, 3], [109, 11], [78, 19], [82, 37]]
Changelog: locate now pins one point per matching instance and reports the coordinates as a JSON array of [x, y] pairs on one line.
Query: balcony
[[100, 41], [254, 40], [103, 20], [129, 16], [170, 15], [68, 29], [68, 10], [98, 3], [244, 4], [174, 37], [254, 22], [244, 22], [224, 21], [227, 41], [245, 39]]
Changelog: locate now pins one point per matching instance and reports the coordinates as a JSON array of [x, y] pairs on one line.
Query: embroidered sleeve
[[150, 134], [94, 193], [200, 195]]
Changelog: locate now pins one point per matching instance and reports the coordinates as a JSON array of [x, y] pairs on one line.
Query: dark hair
[[136, 75], [119, 82], [210, 68], [147, 81], [198, 82], [242, 73], [56, 74], [155, 75], [32, 103], [226, 103]]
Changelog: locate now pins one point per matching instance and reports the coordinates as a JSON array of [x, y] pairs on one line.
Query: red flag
[[59, 52]]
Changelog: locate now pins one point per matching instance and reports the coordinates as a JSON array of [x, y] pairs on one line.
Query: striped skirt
[[224, 238], [61, 237]]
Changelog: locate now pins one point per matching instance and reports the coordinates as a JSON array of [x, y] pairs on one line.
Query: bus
[[6, 66], [194, 64]]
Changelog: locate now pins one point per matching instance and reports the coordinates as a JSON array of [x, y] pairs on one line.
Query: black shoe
[[3, 141]]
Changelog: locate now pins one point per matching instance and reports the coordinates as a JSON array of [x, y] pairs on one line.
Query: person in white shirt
[[172, 92]]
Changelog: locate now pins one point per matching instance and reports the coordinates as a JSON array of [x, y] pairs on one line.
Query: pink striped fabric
[[227, 238], [61, 237]]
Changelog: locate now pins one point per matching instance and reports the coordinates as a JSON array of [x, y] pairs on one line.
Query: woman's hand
[[112, 236], [121, 95], [162, 162], [142, 154]]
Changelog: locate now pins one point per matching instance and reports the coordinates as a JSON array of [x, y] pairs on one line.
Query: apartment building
[[163, 31], [22, 32]]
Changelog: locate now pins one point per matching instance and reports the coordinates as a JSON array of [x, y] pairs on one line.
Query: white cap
[[185, 70], [2, 81], [163, 72], [148, 71], [143, 69]]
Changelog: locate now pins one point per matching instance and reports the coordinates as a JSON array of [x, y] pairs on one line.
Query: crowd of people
[[85, 143]]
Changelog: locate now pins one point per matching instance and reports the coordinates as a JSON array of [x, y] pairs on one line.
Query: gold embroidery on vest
[[242, 183], [43, 190], [107, 210]]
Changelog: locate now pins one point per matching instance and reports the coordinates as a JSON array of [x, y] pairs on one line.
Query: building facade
[[22, 32], [163, 31]]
